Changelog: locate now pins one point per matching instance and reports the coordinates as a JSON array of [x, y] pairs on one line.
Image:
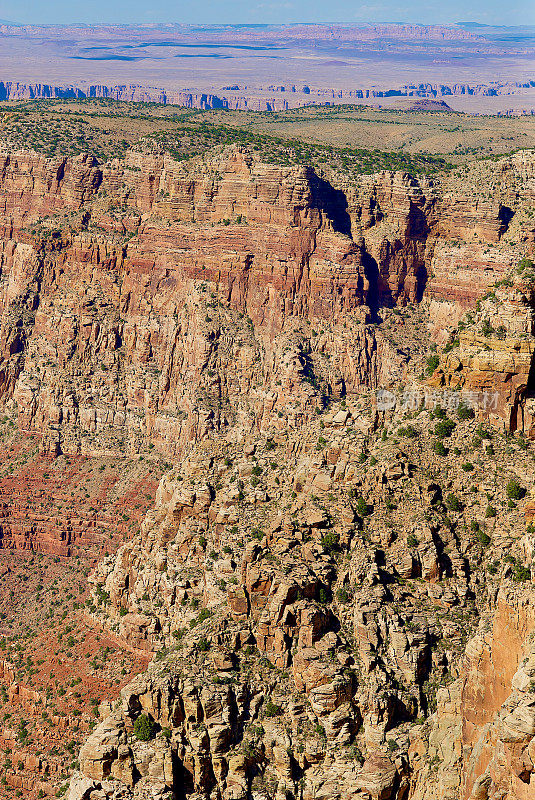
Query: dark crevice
[[418, 227], [530, 387], [182, 780], [421, 282], [60, 174], [371, 272], [505, 215], [333, 202]]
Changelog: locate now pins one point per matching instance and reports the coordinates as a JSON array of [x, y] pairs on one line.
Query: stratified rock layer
[[122, 285], [307, 583]]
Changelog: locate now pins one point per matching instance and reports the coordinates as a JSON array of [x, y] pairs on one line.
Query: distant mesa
[[271, 97], [424, 104]]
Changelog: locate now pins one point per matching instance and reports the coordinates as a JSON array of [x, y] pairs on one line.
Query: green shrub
[[412, 541], [144, 728], [409, 431], [444, 428], [465, 412], [103, 597], [330, 541], [514, 490], [453, 503], [439, 449], [362, 507], [523, 264], [323, 595], [271, 709], [344, 594], [487, 329], [490, 512], [483, 432], [521, 573], [483, 538], [320, 730], [432, 363]]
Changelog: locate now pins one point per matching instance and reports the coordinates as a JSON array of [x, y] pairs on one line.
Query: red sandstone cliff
[[189, 306], [125, 271]]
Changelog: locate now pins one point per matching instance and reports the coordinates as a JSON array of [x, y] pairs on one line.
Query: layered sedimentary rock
[[240, 33], [129, 292], [70, 506], [494, 355], [120, 279], [251, 98], [308, 576], [482, 739]]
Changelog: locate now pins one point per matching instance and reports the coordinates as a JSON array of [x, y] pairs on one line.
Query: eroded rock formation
[[312, 580], [120, 280], [309, 611]]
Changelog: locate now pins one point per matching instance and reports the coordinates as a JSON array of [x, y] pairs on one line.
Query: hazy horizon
[[282, 12]]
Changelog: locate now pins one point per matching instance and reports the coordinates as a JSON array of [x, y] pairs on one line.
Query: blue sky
[[519, 12]]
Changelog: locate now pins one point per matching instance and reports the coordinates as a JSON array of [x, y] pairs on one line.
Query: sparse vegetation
[[144, 728]]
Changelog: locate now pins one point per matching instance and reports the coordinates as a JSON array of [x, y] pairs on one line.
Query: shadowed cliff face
[[124, 286]]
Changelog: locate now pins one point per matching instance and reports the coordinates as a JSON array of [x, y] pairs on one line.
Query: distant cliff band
[[244, 98]]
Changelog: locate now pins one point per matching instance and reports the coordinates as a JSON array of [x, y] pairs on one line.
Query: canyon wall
[[305, 582], [388, 666], [120, 280], [249, 98], [214, 33]]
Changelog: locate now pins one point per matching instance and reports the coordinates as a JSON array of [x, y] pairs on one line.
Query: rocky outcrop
[[312, 569], [119, 293], [310, 642], [135, 273], [482, 741], [493, 361]]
